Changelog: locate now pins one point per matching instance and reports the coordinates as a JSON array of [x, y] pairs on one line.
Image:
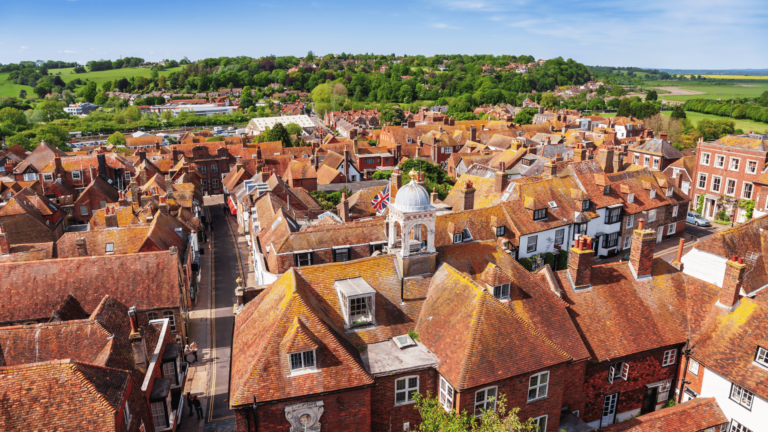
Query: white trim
[[149, 375], [406, 390]]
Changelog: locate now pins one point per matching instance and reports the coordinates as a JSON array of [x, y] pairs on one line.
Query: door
[[650, 400], [609, 409], [660, 235]]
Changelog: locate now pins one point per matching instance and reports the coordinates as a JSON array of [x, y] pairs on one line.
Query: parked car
[[696, 219]]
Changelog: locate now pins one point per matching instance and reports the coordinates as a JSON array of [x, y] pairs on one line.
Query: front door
[[660, 235], [650, 400], [609, 409]]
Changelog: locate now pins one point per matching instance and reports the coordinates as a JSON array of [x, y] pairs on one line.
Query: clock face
[[305, 419]]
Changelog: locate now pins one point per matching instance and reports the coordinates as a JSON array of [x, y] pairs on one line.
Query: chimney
[[82, 250], [110, 217], [581, 257], [396, 182], [550, 169], [678, 262], [605, 158], [102, 165], [5, 245], [579, 153], [135, 197], [501, 179], [418, 141], [343, 208], [142, 155], [163, 205], [433, 197], [56, 161], [473, 133], [138, 341], [663, 135], [467, 194], [398, 153], [175, 154], [354, 146], [143, 177], [734, 277], [346, 162], [641, 254]]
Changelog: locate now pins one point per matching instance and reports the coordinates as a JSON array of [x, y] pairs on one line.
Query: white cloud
[[67, 52], [443, 26], [24, 47]]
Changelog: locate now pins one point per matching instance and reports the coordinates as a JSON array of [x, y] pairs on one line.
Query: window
[[637, 159], [627, 242], [532, 243], [734, 166], [751, 167], [738, 427], [669, 191], [47, 177], [341, 255], [669, 357], [747, 192], [501, 292], [742, 396], [540, 423], [651, 215], [613, 215], [405, 389], [202, 169], [128, 176], [303, 259], [109, 248], [215, 183], [303, 360], [203, 183], [607, 190], [647, 160], [539, 214], [538, 385], [705, 158], [151, 316], [485, 400], [448, 150], [585, 205], [158, 414], [693, 367], [702, 181], [560, 236], [83, 210], [457, 238], [618, 370], [655, 163], [499, 231], [670, 229], [76, 175], [663, 393], [30, 177], [360, 310], [214, 168], [446, 394], [630, 221], [653, 193], [730, 187], [674, 210], [127, 414], [762, 356], [370, 160], [611, 240], [169, 371], [171, 319], [579, 229], [719, 161]]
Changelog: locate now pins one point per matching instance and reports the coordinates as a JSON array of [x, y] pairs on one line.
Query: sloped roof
[[327, 175], [694, 415], [660, 147], [125, 217], [360, 202], [28, 252], [742, 142], [39, 158], [485, 192], [326, 236]]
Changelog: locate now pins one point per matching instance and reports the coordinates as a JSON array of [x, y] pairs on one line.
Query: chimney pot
[[640, 224], [741, 260]]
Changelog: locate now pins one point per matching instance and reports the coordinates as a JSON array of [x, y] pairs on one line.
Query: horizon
[[607, 32]]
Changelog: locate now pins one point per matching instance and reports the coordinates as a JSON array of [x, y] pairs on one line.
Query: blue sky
[[688, 34]]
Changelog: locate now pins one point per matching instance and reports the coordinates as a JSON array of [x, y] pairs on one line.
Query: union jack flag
[[381, 200]]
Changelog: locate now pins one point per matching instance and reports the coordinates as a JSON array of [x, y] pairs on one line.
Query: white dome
[[412, 198]]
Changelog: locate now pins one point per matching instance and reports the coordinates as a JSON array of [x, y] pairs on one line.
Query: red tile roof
[[691, 416]]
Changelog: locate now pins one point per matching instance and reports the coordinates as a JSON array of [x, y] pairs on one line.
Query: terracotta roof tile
[[694, 415]]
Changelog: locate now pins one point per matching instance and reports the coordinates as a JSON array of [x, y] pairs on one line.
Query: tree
[[277, 133], [13, 118], [526, 116], [117, 139], [293, 128], [101, 99], [214, 139], [625, 108], [89, 92], [43, 89], [20, 140], [51, 109], [392, 115], [166, 115], [549, 100], [436, 419], [52, 135], [678, 112], [22, 94]]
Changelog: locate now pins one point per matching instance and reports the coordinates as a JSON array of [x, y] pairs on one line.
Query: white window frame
[[214, 169], [651, 215], [457, 238], [77, 175], [738, 427], [762, 356], [538, 388], [48, 177], [702, 176], [669, 191], [83, 210], [731, 163], [719, 161], [499, 231], [171, 319], [693, 367], [663, 392], [539, 214], [670, 358], [446, 394], [647, 161], [618, 370], [637, 159], [728, 183], [560, 236], [744, 190], [109, 248], [630, 221], [535, 242], [751, 171], [202, 169], [299, 361], [671, 229], [30, 176], [305, 258], [407, 391], [158, 412], [656, 162], [215, 183], [169, 370], [486, 403], [538, 423], [741, 396], [719, 184], [627, 242], [503, 291], [674, 210], [705, 157]]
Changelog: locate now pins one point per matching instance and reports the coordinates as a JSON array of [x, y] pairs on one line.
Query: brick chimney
[[550, 169], [605, 158], [581, 257], [110, 217], [473, 133], [82, 249], [467, 194], [433, 197], [138, 341], [343, 208], [5, 245], [346, 162], [678, 262], [641, 254], [168, 187], [142, 155], [175, 154], [734, 277], [579, 153], [164, 207], [396, 182], [501, 179], [56, 162], [663, 135]]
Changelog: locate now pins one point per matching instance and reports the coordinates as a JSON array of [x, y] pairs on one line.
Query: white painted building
[[745, 413], [257, 125]]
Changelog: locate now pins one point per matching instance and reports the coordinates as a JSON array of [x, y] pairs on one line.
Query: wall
[[598, 225], [717, 386], [543, 243], [24, 229], [385, 416]]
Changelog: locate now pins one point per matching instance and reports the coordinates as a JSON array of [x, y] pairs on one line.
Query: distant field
[[99, 77], [745, 125], [735, 77], [8, 88], [726, 91]]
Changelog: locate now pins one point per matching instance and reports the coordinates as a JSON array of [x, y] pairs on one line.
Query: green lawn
[[7, 88], [745, 125], [99, 77], [725, 91]]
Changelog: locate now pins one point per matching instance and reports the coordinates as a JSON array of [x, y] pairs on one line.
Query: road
[[701, 233]]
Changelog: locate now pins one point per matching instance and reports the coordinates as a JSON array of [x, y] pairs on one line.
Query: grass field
[[10, 89], [725, 91], [735, 77], [745, 125], [108, 75]]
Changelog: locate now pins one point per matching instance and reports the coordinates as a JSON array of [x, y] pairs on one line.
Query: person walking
[[190, 400], [198, 407], [193, 348]]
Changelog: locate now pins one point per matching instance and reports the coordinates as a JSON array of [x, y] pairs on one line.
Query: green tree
[[549, 100], [166, 115], [293, 129], [625, 108], [13, 118], [50, 109], [22, 94], [53, 135], [101, 99], [89, 92], [436, 419], [651, 95], [526, 116], [117, 139], [20, 140], [678, 112], [392, 115], [277, 133], [214, 139], [43, 89]]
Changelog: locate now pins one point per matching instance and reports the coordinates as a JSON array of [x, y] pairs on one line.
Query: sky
[[670, 34]]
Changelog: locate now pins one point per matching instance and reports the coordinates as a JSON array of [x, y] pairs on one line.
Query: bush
[[549, 258]]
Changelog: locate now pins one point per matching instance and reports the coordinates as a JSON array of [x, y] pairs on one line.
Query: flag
[[381, 200]]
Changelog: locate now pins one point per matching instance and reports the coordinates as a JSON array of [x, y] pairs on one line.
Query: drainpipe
[[687, 353]]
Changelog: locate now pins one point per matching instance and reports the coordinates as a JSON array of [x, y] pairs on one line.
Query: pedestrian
[[210, 224], [190, 400], [193, 347], [198, 407]]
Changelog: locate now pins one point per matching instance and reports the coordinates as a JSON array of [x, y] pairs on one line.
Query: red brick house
[[698, 415], [96, 196], [24, 222], [656, 153], [684, 168]]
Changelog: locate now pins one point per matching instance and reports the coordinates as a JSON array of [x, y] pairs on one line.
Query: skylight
[[276, 222], [552, 204]]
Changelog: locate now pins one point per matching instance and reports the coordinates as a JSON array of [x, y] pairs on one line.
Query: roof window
[[358, 301], [403, 341], [552, 204], [110, 248]]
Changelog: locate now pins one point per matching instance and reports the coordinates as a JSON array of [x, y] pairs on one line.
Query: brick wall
[[282, 263], [644, 368], [696, 380], [385, 416], [91, 198], [573, 388]]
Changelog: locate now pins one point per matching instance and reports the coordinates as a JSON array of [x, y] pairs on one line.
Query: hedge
[[549, 258]]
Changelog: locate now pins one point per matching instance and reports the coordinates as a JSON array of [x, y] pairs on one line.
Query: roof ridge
[[81, 376], [474, 329]]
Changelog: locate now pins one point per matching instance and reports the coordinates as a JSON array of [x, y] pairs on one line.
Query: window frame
[[172, 371], [671, 228], [535, 243], [719, 161], [606, 190], [738, 164], [214, 169], [670, 358], [302, 357], [407, 390], [702, 176], [611, 240], [708, 158], [538, 386], [728, 183], [500, 231], [458, 238], [539, 214], [156, 415], [305, 256], [612, 215], [585, 205], [537, 422], [637, 159], [48, 177], [647, 160], [501, 288], [560, 236], [618, 370], [656, 163], [486, 402], [739, 393], [337, 252], [109, 248], [761, 357], [738, 427], [171, 319], [693, 367], [76, 175], [744, 190], [749, 163], [675, 209], [651, 215], [627, 243], [446, 394], [630, 222], [83, 210]]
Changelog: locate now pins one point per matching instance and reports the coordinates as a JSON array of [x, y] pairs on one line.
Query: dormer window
[[607, 190], [110, 248], [585, 205], [357, 300], [653, 193], [303, 361], [499, 231], [76, 175], [501, 292], [539, 214], [669, 191], [457, 238], [631, 198], [762, 356]]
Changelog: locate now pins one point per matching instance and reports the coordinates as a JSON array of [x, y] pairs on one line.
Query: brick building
[[96, 196], [656, 153]]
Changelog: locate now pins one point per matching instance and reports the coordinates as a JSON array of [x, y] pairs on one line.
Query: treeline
[[50, 64], [100, 65], [755, 111]]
